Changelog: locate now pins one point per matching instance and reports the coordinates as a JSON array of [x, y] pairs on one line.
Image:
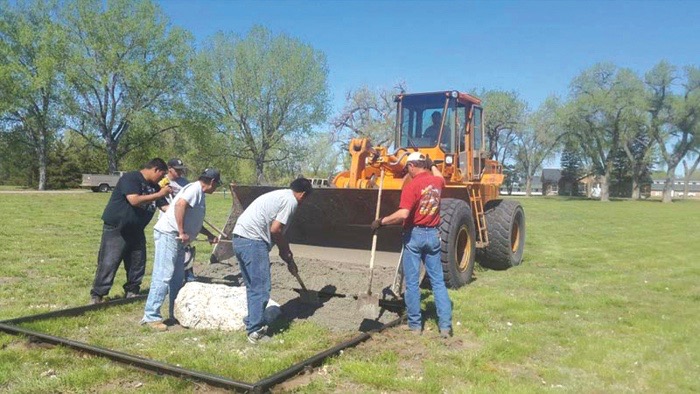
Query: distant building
[[657, 188], [550, 181], [518, 189]]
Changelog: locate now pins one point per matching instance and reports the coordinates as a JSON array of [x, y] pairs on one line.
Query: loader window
[[424, 120], [478, 140]]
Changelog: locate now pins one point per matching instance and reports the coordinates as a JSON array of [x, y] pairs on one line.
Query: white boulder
[[216, 307]]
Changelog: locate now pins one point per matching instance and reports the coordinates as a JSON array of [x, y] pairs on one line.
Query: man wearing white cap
[[419, 211]]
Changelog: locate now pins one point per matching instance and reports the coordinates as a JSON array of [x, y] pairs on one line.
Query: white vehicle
[[319, 182], [101, 183]]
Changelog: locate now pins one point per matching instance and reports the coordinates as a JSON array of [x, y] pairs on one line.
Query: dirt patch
[[4, 280], [335, 313]]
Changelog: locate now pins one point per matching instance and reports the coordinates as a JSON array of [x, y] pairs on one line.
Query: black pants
[[117, 245]]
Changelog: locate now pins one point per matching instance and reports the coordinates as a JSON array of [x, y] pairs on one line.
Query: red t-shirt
[[422, 198]]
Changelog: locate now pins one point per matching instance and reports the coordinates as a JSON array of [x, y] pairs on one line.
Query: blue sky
[[532, 47]]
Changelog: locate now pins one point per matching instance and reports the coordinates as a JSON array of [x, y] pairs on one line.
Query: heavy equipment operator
[[419, 211]]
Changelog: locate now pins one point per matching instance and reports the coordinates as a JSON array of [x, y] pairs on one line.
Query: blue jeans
[[424, 244], [168, 274], [254, 261]]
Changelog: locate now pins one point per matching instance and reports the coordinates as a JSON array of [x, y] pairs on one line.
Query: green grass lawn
[[606, 301]]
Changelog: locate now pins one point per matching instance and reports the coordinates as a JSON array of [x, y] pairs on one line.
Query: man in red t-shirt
[[419, 210]]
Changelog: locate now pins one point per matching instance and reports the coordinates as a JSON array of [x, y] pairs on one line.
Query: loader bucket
[[335, 217], [331, 217]]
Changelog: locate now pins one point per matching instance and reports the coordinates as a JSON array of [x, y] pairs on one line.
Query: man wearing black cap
[[260, 226], [176, 172], [174, 230]]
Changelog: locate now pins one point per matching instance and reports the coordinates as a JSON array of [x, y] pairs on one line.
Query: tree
[[675, 118], [17, 162], [31, 50], [639, 152], [689, 169], [126, 69], [512, 177], [322, 158], [538, 141], [369, 113], [263, 91], [571, 168], [606, 103], [504, 116]]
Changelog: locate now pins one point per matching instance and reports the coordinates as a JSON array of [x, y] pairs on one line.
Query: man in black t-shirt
[[130, 208]]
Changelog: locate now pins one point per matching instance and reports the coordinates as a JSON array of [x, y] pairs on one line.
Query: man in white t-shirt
[[175, 229], [176, 180], [260, 226]]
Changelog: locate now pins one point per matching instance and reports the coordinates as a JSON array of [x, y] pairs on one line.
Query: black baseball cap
[[212, 173], [176, 164]]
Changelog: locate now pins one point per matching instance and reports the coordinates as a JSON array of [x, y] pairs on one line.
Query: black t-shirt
[[120, 213]]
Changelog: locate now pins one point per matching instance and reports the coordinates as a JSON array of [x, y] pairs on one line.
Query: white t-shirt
[[175, 185], [194, 214], [255, 221]]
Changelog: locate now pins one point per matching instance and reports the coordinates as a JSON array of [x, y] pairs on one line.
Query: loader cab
[[449, 123], [426, 121]]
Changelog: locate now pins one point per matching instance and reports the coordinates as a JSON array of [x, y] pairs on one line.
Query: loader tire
[[505, 222], [457, 237]]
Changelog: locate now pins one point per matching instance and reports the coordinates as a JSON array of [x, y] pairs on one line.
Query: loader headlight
[[455, 94], [449, 160]]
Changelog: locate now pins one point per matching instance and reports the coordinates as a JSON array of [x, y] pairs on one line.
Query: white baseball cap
[[416, 156]]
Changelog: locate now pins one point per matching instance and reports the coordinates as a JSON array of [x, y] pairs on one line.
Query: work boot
[[130, 294], [413, 330], [445, 332], [96, 299], [256, 337], [157, 325]]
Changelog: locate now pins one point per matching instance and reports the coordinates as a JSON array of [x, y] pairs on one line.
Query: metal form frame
[[263, 385]]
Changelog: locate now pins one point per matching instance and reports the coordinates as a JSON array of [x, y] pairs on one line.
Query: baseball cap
[[416, 156], [176, 164], [212, 173]]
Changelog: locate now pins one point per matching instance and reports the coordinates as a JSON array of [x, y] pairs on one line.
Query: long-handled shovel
[[221, 233], [368, 304]]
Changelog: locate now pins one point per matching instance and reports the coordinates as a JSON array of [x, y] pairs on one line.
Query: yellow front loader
[[476, 225]]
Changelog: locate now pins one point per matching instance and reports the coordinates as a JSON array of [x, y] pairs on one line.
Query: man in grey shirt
[[259, 226]]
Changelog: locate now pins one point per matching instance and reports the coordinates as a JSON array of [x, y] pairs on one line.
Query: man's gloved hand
[[375, 225]]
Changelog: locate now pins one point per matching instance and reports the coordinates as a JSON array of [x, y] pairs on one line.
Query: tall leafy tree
[[675, 118], [127, 69], [368, 113], [32, 47], [504, 116], [606, 103], [538, 141], [639, 153], [263, 91]]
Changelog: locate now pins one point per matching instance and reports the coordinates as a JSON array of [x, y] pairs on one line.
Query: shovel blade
[[309, 297], [368, 306]]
